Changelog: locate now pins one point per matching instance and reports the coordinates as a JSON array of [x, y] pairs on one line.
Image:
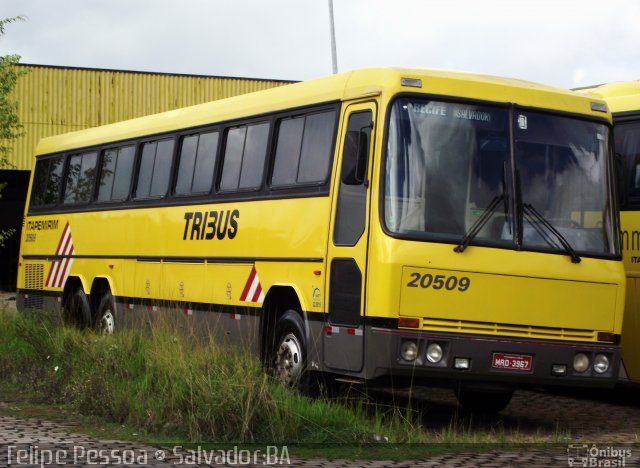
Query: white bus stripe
[[252, 289]]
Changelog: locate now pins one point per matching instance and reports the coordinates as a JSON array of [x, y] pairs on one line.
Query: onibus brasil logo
[[594, 456]]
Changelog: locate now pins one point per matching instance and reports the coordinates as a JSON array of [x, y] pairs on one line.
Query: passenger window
[[155, 169], [197, 162], [244, 157], [303, 149], [115, 173], [285, 169], [80, 175], [47, 180]]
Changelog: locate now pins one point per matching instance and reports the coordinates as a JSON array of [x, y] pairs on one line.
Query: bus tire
[[478, 400], [290, 352], [77, 309], [107, 315]]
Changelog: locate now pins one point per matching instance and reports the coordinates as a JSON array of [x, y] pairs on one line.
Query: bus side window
[[47, 182], [116, 169], [80, 176], [155, 169], [197, 161], [244, 157], [303, 149]]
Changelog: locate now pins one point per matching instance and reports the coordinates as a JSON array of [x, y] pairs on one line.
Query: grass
[[168, 387], [168, 384]]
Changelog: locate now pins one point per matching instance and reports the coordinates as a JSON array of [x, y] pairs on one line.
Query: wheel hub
[[289, 360], [107, 323]]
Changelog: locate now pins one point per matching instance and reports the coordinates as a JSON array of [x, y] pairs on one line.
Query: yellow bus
[[623, 99], [382, 225]]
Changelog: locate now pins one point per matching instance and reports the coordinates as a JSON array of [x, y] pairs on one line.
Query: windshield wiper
[[486, 214], [479, 224], [533, 216]]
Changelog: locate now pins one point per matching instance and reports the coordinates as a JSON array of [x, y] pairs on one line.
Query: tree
[[10, 128]]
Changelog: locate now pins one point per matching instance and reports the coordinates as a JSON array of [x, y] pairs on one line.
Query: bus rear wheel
[[290, 353], [106, 315], [483, 400], [77, 311]]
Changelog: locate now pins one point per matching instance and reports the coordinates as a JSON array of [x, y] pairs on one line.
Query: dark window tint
[[285, 169], [115, 173], [197, 161], [352, 196], [255, 150], [627, 143], [155, 168], [233, 158], [244, 157], [316, 148], [303, 151], [46, 182], [80, 176]]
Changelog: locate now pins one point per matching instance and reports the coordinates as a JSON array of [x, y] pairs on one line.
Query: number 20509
[[450, 283]]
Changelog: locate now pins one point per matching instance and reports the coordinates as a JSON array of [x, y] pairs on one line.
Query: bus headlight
[[434, 353], [580, 362], [601, 363], [409, 351]]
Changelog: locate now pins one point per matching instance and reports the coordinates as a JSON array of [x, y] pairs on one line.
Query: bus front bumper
[[465, 357]]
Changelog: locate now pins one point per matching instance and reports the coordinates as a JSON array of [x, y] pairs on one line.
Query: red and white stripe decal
[[59, 270], [252, 291]]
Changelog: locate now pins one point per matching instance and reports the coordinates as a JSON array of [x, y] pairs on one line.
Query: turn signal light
[[409, 322], [606, 336]]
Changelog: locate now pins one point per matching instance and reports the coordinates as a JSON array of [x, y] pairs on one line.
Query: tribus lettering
[[209, 225]]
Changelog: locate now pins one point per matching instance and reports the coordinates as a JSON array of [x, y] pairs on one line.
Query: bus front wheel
[[290, 353], [106, 316]]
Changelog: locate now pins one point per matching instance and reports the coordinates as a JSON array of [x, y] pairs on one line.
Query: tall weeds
[[174, 384]]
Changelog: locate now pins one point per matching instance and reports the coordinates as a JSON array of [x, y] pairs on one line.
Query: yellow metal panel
[[155, 233], [54, 100], [621, 96], [506, 287], [506, 299]]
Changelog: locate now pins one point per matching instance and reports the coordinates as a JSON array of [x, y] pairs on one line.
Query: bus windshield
[[449, 164]]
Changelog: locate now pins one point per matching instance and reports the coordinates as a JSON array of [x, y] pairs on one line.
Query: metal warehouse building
[[54, 100]]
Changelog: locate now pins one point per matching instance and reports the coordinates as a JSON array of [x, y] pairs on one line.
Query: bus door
[[343, 335]]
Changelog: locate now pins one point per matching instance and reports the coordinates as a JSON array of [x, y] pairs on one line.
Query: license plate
[[520, 362]]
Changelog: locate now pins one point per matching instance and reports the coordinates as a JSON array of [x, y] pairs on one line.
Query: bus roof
[[621, 96], [343, 86]]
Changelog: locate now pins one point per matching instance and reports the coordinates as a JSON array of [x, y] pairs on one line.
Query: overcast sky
[[565, 43]]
